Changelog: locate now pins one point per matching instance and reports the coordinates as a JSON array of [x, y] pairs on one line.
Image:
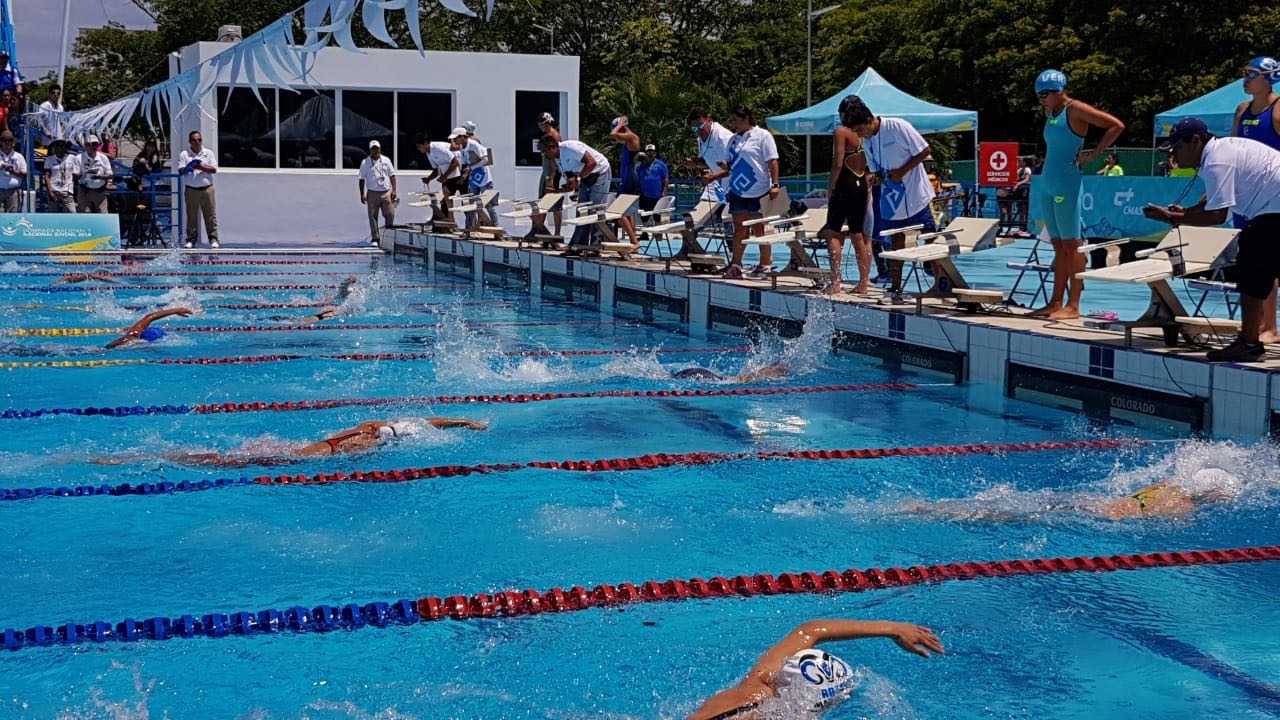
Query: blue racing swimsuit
[[1055, 194], [1258, 127]]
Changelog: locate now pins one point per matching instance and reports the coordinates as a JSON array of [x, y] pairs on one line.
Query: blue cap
[[151, 334], [614, 124], [1183, 129], [1051, 80], [1266, 65]]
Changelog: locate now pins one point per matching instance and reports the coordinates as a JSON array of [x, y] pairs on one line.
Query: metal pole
[[808, 93], [66, 38]]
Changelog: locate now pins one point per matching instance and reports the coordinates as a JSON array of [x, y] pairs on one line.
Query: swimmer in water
[[774, 371], [1172, 497], [365, 436], [334, 303], [142, 329], [794, 679], [71, 278]]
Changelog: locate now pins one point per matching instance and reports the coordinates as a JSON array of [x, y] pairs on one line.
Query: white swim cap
[[814, 680], [1212, 481]]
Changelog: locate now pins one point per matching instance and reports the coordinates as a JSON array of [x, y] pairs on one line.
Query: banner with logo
[[1111, 207], [59, 231]]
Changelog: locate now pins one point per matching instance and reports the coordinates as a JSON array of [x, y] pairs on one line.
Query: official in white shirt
[[1240, 175], [60, 172], [378, 189], [444, 165], [52, 127], [588, 172], [13, 171], [95, 173], [197, 166], [713, 148], [476, 161], [895, 153], [752, 173]]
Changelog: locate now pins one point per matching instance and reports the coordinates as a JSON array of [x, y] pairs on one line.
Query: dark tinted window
[[246, 136], [366, 116], [307, 129], [421, 115], [529, 105]]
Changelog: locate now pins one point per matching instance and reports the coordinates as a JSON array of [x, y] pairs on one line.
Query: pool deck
[[1060, 363]]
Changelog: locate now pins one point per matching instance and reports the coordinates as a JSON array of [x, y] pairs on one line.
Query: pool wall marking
[[513, 603], [1098, 377]]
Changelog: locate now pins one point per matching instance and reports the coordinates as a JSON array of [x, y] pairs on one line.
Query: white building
[[288, 170]]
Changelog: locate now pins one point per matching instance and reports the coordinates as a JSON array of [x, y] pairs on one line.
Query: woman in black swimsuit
[[847, 191]]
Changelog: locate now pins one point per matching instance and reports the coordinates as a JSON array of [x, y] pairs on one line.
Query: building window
[[246, 129], [422, 116], [306, 129], [529, 105], [366, 116]]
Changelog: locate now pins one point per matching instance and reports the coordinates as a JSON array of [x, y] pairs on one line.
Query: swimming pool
[[1156, 643]]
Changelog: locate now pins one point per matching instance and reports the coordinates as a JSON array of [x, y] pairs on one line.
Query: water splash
[[14, 267], [171, 260], [133, 707], [103, 303], [470, 358]]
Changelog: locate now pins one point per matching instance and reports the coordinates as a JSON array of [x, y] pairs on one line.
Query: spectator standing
[[378, 189], [109, 147], [14, 116], [1111, 167], [9, 78], [13, 171], [197, 166], [550, 179], [148, 161], [53, 128], [95, 173], [654, 178], [61, 170]]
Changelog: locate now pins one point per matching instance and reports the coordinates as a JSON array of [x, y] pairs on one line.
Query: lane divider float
[[60, 332], [523, 603], [430, 400], [214, 287], [359, 357], [650, 461]]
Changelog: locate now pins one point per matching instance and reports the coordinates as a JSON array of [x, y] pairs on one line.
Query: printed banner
[[1111, 207], [59, 231]]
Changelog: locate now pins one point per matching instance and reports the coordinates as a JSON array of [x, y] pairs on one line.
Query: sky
[[38, 27]]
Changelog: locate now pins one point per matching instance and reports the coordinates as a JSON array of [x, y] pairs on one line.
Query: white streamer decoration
[[270, 55]]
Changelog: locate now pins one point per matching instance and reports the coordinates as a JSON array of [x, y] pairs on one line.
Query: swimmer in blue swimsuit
[[1258, 118], [768, 372], [794, 679], [1055, 194], [142, 329]]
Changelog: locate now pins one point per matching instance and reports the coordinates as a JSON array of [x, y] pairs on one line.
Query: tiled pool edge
[[1132, 385]]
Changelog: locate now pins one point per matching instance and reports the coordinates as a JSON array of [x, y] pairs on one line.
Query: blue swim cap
[[151, 334], [614, 125], [1266, 65], [1051, 80]]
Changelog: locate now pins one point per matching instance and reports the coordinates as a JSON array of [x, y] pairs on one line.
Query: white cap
[[546, 118], [375, 144], [457, 133], [470, 126], [649, 147], [92, 140]]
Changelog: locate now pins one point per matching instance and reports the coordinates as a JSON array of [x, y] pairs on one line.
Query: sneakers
[[189, 245], [892, 298], [213, 244], [1238, 351], [373, 241]]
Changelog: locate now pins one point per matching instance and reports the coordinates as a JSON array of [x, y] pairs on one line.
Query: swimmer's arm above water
[[133, 332], [758, 683], [445, 423]]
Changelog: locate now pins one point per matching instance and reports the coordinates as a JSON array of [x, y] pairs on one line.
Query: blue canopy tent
[[884, 99], [1217, 109], [7, 42]]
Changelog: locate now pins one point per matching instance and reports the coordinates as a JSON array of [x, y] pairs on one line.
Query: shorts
[[648, 203], [850, 210], [456, 185], [743, 206], [1258, 257], [924, 217], [1059, 214]]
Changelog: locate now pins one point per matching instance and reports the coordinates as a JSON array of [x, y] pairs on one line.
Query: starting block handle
[[1090, 247], [902, 230]]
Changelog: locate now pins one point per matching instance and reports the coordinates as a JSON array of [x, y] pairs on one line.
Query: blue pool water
[[1172, 643]]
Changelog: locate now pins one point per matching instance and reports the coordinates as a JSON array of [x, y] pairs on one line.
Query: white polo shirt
[[62, 173], [749, 157], [13, 159], [1241, 174], [377, 175], [99, 165], [440, 155], [713, 150], [197, 178], [573, 155], [475, 153], [891, 148]]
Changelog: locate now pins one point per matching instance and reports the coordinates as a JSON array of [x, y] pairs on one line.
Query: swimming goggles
[[1046, 93], [1251, 74], [697, 128]]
